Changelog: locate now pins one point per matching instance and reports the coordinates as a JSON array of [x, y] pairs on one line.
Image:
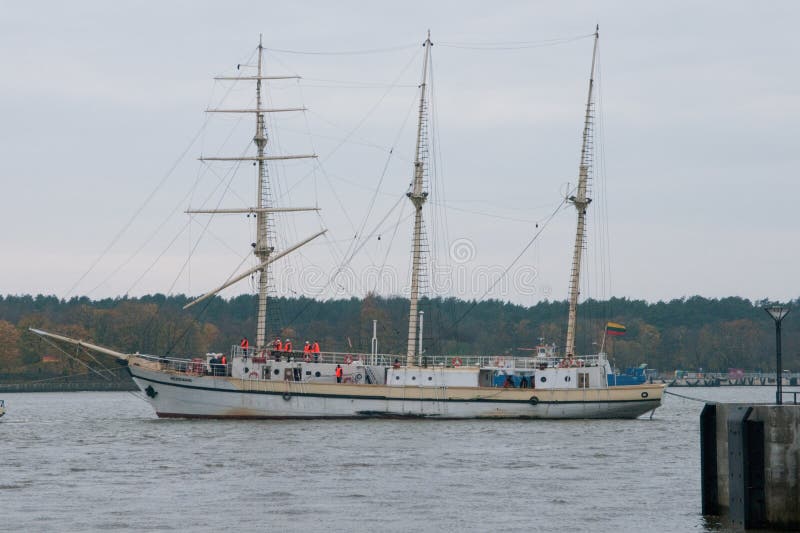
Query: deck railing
[[384, 359], [204, 366]]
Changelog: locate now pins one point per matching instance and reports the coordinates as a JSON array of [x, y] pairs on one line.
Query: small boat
[[265, 382]]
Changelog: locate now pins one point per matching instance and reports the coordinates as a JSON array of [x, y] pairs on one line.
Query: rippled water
[[103, 461]]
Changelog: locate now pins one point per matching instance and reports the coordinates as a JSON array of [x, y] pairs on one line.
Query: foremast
[[261, 248], [581, 201], [417, 196]]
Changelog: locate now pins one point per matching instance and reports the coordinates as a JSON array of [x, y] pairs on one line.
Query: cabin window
[[265, 372], [583, 380]]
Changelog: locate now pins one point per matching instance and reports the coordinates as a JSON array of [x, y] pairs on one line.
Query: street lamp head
[[777, 312]]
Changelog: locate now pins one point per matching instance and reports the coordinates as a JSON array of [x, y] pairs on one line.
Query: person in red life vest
[[224, 362], [277, 348], [315, 351], [287, 345], [339, 373], [245, 344], [307, 348]]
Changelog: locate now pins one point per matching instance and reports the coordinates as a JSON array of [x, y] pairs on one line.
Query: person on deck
[[315, 351], [287, 345], [339, 373], [307, 350], [245, 344], [277, 348]]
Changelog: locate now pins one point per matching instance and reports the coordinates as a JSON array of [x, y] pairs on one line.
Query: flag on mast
[[615, 330]]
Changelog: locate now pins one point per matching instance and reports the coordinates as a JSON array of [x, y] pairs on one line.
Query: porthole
[[276, 372], [397, 377], [567, 378], [317, 374], [430, 378], [413, 378], [543, 379], [246, 370]]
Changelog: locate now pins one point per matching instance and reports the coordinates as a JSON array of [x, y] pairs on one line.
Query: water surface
[[103, 461]]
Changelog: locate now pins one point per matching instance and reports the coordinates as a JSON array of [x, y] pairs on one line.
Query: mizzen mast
[[417, 196], [581, 202]]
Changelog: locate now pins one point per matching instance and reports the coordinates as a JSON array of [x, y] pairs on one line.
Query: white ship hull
[[184, 396]]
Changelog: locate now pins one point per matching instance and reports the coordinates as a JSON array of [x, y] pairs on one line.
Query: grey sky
[[699, 104]]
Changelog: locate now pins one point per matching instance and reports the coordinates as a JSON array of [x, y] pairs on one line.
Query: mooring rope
[[688, 397]]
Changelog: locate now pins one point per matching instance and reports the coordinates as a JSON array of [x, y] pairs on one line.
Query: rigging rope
[[514, 45], [511, 265], [343, 53], [139, 209]]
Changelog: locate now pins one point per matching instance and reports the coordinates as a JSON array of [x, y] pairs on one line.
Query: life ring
[[499, 361], [456, 361], [348, 359], [645, 395], [287, 396], [307, 357], [253, 375], [534, 400]]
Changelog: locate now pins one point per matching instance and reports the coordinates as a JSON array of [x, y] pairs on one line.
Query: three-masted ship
[[258, 382]]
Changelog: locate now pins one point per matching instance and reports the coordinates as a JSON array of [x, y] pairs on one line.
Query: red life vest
[[288, 346], [315, 349], [277, 345], [245, 344], [307, 348], [339, 372], [223, 360]]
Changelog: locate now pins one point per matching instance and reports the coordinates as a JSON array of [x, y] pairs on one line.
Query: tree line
[[686, 333]]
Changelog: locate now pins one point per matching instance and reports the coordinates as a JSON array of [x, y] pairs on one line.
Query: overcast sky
[[102, 124]]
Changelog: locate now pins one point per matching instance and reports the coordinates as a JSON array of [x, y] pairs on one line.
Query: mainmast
[[417, 197], [581, 202], [261, 248]]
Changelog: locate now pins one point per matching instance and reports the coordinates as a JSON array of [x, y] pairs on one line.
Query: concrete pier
[[750, 461]]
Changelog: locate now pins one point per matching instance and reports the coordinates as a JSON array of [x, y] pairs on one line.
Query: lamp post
[[778, 312]]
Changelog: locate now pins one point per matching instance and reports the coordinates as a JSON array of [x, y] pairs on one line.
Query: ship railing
[[265, 354], [203, 365], [450, 361], [199, 366]]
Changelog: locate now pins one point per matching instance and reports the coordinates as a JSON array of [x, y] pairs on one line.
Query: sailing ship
[[257, 382]]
